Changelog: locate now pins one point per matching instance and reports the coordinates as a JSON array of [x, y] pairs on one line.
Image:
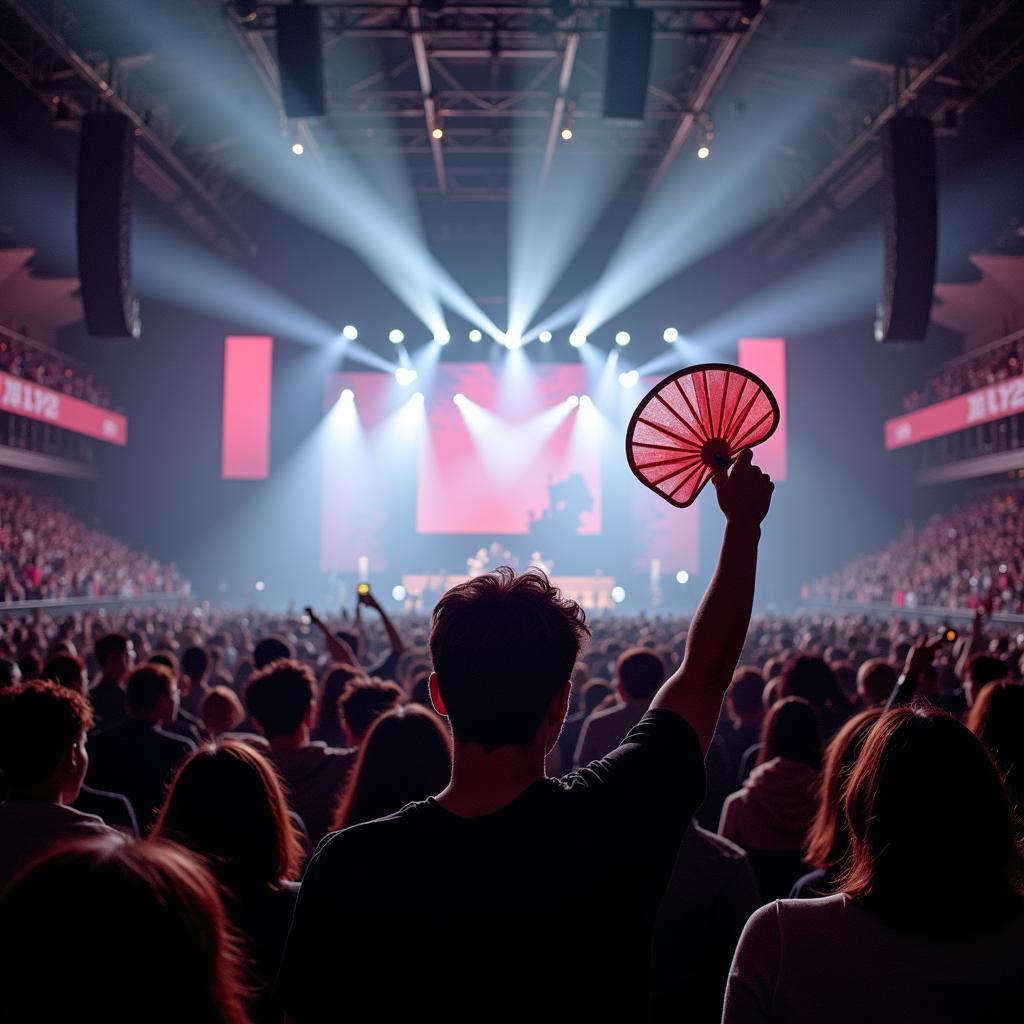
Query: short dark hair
[[640, 671], [791, 731], [279, 696], [166, 658], [109, 645], [195, 662], [363, 701], [38, 722], [146, 685], [746, 691], [66, 670], [502, 646], [271, 649], [986, 668]]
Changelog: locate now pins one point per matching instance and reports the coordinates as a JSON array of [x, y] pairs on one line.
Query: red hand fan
[[693, 424]]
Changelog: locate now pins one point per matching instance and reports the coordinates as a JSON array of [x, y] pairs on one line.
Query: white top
[[829, 960]]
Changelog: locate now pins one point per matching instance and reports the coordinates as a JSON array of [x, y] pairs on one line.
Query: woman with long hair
[[828, 840], [769, 816], [929, 922], [226, 805], [997, 719], [118, 930], [406, 756]]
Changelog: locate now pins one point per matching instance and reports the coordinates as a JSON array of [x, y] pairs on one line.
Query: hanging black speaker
[[911, 229], [300, 60], [628, 65], [104, 223]]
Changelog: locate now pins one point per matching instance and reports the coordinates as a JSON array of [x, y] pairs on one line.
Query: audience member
[[405, 756], [997, 719], [220, 711], [328, 725], [137, 757], [876, 679], [149, 939], [280, 700], [115, 655], [43, 757], [362, 702], [929, 921]]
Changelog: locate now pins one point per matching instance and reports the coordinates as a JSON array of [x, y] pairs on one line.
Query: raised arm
[[394, 637], [337, 648], [716, 635]]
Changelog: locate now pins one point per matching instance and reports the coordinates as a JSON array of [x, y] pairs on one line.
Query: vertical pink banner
[[766, 357], [248, 362]]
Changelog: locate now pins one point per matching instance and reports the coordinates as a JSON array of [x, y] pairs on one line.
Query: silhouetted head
[[997, 719], [639, 672], [791, 731], [280, 697]]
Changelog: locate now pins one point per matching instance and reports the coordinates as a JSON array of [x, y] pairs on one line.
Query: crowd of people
[[508, 809], [989, 367], [968, 558], [48, 553], [49, 370]]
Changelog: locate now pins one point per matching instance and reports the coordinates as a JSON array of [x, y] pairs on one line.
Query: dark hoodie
[[315, 776]]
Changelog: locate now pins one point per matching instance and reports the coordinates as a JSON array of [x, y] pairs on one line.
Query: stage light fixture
[[396, 337], [298, 149], [618, 595], [245, 11], [622, 339], [437, 133], [513, 341], [577, 339], [544, 337], [586, 402], [405, 375], [572, 401], [349, 332], [260, 585], [442, 337], [670, 334], [567, 134], [398, 592], [418, 399], [682, 577], [348, 395], [475, 335], [703, 151], [629, 379], [459, 399]]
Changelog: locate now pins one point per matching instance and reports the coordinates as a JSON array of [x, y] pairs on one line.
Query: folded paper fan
[[695, 423]]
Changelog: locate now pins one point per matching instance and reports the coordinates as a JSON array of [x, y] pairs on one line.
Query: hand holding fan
[[694, 424]]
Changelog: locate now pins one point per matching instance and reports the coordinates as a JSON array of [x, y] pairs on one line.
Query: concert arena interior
[[512, 510]]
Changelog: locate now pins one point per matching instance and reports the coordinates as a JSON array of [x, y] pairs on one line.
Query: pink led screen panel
[[248, 364], [766, 357]]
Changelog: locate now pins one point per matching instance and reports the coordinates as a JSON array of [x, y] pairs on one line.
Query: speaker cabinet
[[300, 60], [628, 65]]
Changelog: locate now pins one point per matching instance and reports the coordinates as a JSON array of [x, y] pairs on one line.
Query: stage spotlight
[[544, 337], [348, 395], [442, 337], [682, 577], [298, 149], [629, 379], [349, 332], [398, 592], [245, 11], [260, 585], [585, 402], [622, 338], [475, 335], [566, 134], [618, 595], [437, 133], [459, 399], [572, 401], [577, 339], [396, 337], [417, 399], [405, 375], [513, 341], [670, 334], [703, 151]]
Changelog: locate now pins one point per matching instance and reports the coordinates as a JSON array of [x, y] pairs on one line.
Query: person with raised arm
[[447, 905]]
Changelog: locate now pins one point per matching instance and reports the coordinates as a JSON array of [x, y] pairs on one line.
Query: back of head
[[166, 658], [66, 670], [109, 646], [226, 804], [39, 723], [791, 731], [271, 649], [502, 646], [147, 686], [746, 692], [876, 680], [405, 756], [195, 662], [639, 672], [220, 710], [983, 669], [931, 829], [279, 697], [997, 719], [147, 907], [828, 839], [810, 678], [594, 692], [365, 700]]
